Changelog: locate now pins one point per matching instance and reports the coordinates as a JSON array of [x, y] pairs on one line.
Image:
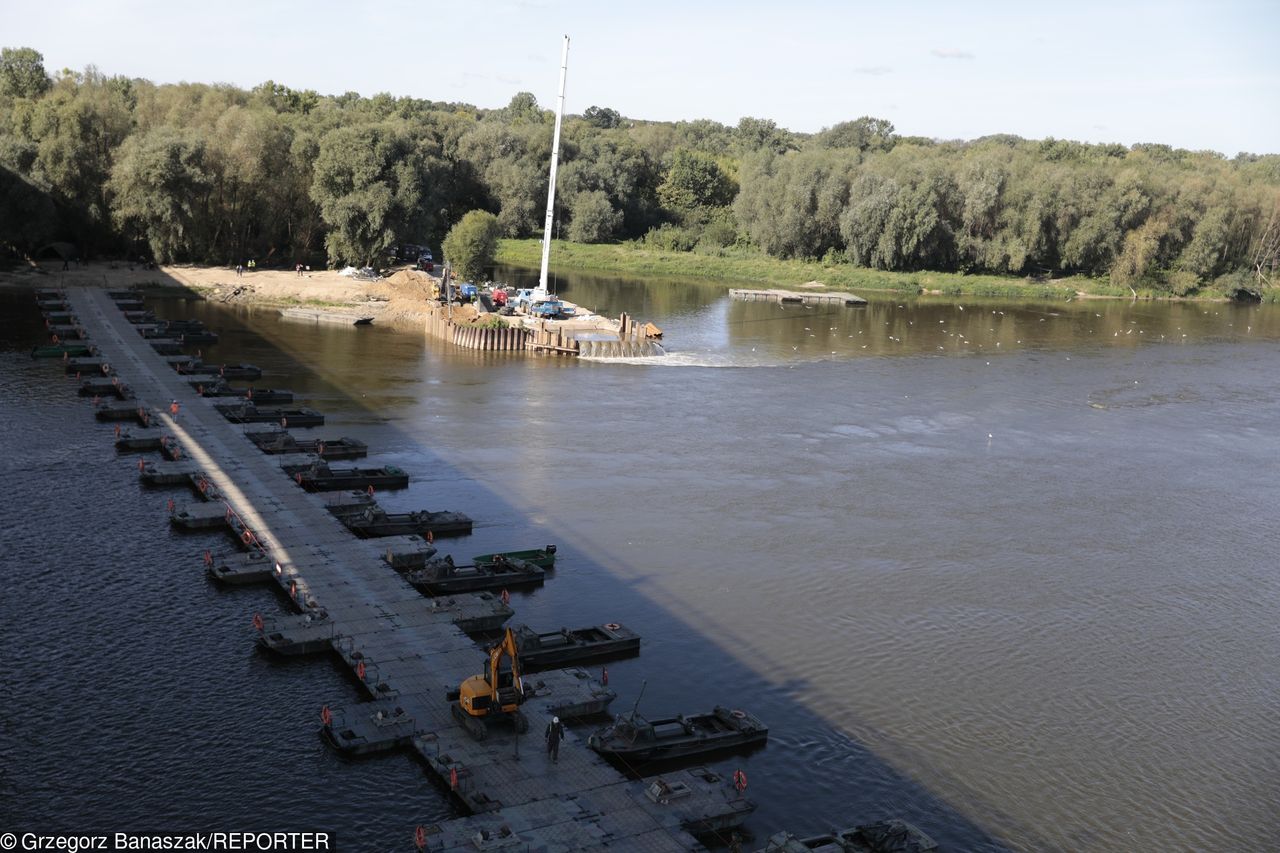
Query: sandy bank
[[399, 301], [402, 300]]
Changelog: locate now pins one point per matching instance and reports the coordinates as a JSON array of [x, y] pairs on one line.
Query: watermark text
[[246, 841]]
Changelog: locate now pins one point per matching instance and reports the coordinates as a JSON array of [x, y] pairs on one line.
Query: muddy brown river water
[[1006, 570]]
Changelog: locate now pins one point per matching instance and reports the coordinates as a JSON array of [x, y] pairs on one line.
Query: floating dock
[[310, 315], [403, 650], [797, 297]]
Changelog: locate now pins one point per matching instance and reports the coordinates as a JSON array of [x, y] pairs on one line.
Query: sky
[[1195, 75]]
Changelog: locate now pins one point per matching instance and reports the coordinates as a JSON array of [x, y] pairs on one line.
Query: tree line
[[218, 174]]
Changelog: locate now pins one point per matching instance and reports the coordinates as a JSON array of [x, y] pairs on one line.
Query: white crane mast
[[542, 292]]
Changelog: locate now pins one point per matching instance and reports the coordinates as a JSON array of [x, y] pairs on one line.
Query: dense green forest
[[216, 174]]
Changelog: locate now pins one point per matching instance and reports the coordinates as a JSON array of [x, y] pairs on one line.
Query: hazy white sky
[[1191, 74]]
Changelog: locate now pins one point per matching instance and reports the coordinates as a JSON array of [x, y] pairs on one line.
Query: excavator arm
[[497, 678]]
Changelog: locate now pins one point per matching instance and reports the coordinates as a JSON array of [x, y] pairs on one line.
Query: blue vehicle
[[549, 308]]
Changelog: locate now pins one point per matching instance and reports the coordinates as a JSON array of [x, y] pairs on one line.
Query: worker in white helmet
[[555, 734]]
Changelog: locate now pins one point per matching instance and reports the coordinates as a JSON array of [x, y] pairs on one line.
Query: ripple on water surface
[[956, 590]]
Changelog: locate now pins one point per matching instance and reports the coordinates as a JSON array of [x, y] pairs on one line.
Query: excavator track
[[474, 725]]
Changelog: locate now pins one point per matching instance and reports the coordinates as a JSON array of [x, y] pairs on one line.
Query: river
[[1002, 569]]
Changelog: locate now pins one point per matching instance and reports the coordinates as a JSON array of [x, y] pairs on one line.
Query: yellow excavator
[[495, 694]]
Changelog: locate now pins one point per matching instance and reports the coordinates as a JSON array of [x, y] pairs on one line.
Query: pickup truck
[[552, 309]]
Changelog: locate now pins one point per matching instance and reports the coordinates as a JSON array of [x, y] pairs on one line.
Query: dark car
[[411, 251]]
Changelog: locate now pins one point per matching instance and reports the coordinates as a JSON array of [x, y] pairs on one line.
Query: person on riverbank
[[555, 734]]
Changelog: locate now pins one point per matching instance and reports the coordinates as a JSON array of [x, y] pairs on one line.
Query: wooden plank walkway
[[402, 650]]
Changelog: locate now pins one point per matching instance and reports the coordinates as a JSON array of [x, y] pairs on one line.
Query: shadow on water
[[846, 781], [145, 571], [811, 776]]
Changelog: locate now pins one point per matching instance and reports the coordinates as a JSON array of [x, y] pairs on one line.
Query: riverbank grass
[[748, 266]]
